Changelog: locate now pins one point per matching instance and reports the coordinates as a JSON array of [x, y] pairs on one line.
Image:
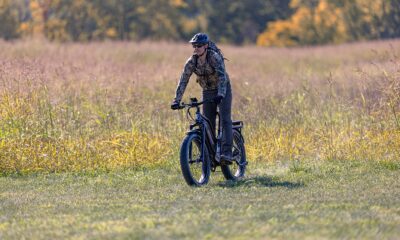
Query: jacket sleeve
[[217, 62], [184, 80]]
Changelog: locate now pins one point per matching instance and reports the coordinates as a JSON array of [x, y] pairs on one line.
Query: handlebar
[[193, 103]]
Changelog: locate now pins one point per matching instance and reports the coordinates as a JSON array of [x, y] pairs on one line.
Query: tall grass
[[105, 106]]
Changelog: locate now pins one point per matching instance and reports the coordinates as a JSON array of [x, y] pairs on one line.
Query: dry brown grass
[[73, 107]]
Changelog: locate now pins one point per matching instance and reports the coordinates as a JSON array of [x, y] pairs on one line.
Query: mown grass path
[[293, 200], [352, 199]]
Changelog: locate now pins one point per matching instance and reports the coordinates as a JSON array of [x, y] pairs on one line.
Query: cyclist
[[207, 63]]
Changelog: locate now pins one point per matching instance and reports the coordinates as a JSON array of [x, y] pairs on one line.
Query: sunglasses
[[198, 45]]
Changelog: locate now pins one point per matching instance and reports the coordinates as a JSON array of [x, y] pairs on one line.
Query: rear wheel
[[237, 169], [195, 167]]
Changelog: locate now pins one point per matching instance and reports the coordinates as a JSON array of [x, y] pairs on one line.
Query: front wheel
[[195, 166], [237, 169]]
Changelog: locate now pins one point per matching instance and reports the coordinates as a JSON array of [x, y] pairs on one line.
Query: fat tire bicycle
[[200, 151]]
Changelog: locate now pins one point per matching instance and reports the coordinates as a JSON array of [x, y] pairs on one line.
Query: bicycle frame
[[202, 126], [209, 140], [210, 148]]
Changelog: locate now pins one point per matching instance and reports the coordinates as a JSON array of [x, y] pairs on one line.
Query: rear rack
[[237, 124]]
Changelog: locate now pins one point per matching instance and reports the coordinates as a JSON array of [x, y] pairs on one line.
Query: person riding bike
[[208, 64]]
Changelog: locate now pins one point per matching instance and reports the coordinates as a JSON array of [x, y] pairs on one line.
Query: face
[[199, 49]]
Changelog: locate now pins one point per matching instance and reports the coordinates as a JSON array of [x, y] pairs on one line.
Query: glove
[[218, 99], [175, 105]]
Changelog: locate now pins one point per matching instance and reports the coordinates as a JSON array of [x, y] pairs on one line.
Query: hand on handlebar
[[175, 105], [193, 103]]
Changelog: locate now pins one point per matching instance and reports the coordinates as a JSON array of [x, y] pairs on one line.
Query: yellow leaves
[[24, 27], [190, 25], [302, 15], [141, 10], [55, 29], [279, 34], [328, 22], [178, 3], [370, 7], [322, 6], [34, 5], [111, 33], [350, 20], [306, 26], [37, 22], [294, 3]]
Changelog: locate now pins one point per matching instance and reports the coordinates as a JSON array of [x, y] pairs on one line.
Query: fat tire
[[185, 165], [226, 169]]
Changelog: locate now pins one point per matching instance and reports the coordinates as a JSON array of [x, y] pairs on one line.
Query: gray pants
[[210, 111]]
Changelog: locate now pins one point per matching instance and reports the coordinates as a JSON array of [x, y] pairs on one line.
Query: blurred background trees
[[334, 21], [265, 22]]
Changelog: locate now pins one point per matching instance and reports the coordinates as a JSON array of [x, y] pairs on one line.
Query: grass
[[89, 147], [85, 107], [330, 199]]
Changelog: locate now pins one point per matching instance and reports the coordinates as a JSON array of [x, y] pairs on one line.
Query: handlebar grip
[[194, 104]]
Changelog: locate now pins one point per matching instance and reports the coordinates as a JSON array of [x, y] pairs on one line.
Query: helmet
[[200, 38]]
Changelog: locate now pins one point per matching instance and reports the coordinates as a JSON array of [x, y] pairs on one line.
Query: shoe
[[225, 160]]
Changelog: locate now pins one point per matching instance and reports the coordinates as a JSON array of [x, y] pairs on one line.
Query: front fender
[[193, 131]]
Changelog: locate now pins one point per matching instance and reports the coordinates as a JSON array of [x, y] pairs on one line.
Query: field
[[89, 147]]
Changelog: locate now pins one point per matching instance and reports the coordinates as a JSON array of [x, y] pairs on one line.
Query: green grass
[[89, 146], [284, 200]]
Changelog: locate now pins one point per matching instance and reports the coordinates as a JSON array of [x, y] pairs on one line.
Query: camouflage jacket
[[211, 75]]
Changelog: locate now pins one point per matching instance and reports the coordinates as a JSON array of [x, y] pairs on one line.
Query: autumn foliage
[[266, 23], [333, 22]]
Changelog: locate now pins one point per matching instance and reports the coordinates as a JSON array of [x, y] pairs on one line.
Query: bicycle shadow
[[260, 181]]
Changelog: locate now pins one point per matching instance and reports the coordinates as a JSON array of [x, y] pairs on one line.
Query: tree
[[307, 26], [241, 21], [334, 21], [371, 19], [267, 22], [8, 19]]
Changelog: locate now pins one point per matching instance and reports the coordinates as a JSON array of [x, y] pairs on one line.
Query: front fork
[[203, 143], [203, 139]]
